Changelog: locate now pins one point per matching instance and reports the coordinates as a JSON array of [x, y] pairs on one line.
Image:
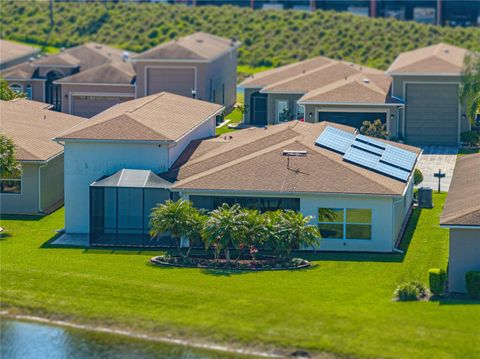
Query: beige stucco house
[[38, 187], [461, 215]]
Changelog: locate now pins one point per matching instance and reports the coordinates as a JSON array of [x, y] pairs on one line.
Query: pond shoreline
[[143, 336]]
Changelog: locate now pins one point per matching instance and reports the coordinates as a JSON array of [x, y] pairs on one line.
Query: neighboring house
[[87, 79], [38, 187], [203, 63], [321, 89], [461, 215], [428, 80], [12, 53], [148, 133]]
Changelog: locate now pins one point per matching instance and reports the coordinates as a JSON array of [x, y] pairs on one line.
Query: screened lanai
[[120, 207]]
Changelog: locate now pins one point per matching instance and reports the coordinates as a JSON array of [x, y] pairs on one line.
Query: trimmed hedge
[[472, 280], [436, 280], [417, 177], [409, 291]]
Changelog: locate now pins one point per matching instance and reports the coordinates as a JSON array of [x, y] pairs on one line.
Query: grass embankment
[[343, 305], [269, 38]]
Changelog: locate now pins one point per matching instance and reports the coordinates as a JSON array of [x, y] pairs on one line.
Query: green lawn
[[343, 305], [234, 116]]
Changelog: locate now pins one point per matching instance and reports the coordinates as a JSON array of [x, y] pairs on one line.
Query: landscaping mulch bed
[[260, 264]]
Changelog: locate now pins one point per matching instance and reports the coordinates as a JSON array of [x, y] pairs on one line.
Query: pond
[[28, 340]]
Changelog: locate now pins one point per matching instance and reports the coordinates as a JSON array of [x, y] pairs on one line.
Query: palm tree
[[255, 233], [273, 239], [224, 227], [172, 217], [296, 231], [194, 228]]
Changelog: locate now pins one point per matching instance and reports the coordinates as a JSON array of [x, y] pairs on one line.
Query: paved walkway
[[434, 158]]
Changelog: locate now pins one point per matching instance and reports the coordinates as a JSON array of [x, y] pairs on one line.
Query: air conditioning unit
[[425, 197]]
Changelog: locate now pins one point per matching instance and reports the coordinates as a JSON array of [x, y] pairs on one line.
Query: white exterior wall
[[206, 129], [86, 162]]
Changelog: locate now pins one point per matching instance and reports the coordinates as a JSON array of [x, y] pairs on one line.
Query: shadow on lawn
[[21, 217]]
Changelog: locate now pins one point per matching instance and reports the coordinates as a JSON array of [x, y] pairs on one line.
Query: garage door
[[89, 106], [178, 81], [354, 119], [431, 114]]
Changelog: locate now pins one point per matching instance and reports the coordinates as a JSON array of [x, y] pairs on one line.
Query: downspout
[[40, 209]]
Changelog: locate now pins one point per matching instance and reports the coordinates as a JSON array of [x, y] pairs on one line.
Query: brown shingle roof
[[23, 71], [11, 50], [252, 161], [115, 72], [198, 46], [32, 128], [37, 104], [463, 201], [435, 59], [160, 117]]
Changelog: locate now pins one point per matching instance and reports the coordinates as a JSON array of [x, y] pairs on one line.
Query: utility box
[[425, 197]]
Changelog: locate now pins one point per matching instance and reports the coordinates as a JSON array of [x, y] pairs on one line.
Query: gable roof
[[251, 160], [23, 71], [197, 46], [323, 80], [115, 72], [462, 207], [435, 59], [32, 128], [10, 51], [160, 117], [131, 178]]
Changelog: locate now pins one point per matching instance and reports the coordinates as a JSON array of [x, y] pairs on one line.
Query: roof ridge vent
[[447, 51], [367, 81]]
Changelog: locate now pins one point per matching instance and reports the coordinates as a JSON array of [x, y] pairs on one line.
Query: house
[[200, 65], [87, 79], [148, 133], [12, 53], [38, 187], [321, 89], [428, 80], [461, 215]]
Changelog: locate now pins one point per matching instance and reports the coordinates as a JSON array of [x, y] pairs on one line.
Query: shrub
[[417, 177], [472, 280], [412, 290], [374, 129], [471, 138], [436, 280]]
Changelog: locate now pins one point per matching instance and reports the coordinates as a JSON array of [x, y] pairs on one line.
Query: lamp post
[[194, 92]]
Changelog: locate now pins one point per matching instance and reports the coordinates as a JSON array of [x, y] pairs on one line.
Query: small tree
[[224, 227], [296, 231], [470, 85], [172, 217], [417, 177], [9, 165], [374, 129], [6, 93]]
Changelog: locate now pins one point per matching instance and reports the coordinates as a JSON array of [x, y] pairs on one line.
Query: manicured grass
[[235, 116], [343, 305]]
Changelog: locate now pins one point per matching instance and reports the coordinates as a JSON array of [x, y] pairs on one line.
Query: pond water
[[26, 340]]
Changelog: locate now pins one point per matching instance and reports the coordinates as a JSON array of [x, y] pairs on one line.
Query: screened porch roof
[[132, 179]]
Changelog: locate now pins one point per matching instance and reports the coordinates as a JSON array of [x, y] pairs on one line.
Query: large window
[[300, 112], [263, 204], [283, 112], [28, 92], [347, 223], [11, 183]]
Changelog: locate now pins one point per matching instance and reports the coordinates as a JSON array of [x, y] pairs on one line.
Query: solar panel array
[[369, 152]]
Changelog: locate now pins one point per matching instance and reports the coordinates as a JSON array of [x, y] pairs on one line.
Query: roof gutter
[[458, 226], [300, 102], [40, 209]]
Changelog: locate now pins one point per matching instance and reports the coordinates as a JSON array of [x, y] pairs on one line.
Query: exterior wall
[[383, 217], [27, 201], [206, 129], [464, 257], [399, 87], [38, 87], [86, 162], [400, 210], [246, 102], [272, 105], [51, 185], [68, 91]]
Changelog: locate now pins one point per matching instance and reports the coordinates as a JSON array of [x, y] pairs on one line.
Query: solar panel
[[361, 158], [371, 141], [399, 157], [367, 147], [393, 171], [335, 139]]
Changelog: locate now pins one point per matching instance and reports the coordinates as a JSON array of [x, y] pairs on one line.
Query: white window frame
[[277, 102], [20, 179], [344, 223]]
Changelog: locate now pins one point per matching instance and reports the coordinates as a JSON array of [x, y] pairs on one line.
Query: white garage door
[[89, 106], [174, 80]]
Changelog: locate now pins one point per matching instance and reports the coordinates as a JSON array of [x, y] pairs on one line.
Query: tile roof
[[325, 80], [160, 117], [11, 50], [32, 128], [115, 72], [252, 160], [436, 59], [463, 201], [197, 46]]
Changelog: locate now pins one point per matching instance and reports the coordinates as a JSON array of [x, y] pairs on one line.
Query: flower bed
[[261, 263]]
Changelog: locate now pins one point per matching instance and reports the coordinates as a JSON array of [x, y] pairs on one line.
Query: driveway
[[434, 158]]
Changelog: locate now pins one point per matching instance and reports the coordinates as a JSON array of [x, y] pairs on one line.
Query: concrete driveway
[[434, 158]]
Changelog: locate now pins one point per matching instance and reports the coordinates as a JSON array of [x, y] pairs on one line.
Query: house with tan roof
[[461, 215], [88, 79], [38, 187], [148, 134], [12, 53], [321, 89], [428, 81]]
